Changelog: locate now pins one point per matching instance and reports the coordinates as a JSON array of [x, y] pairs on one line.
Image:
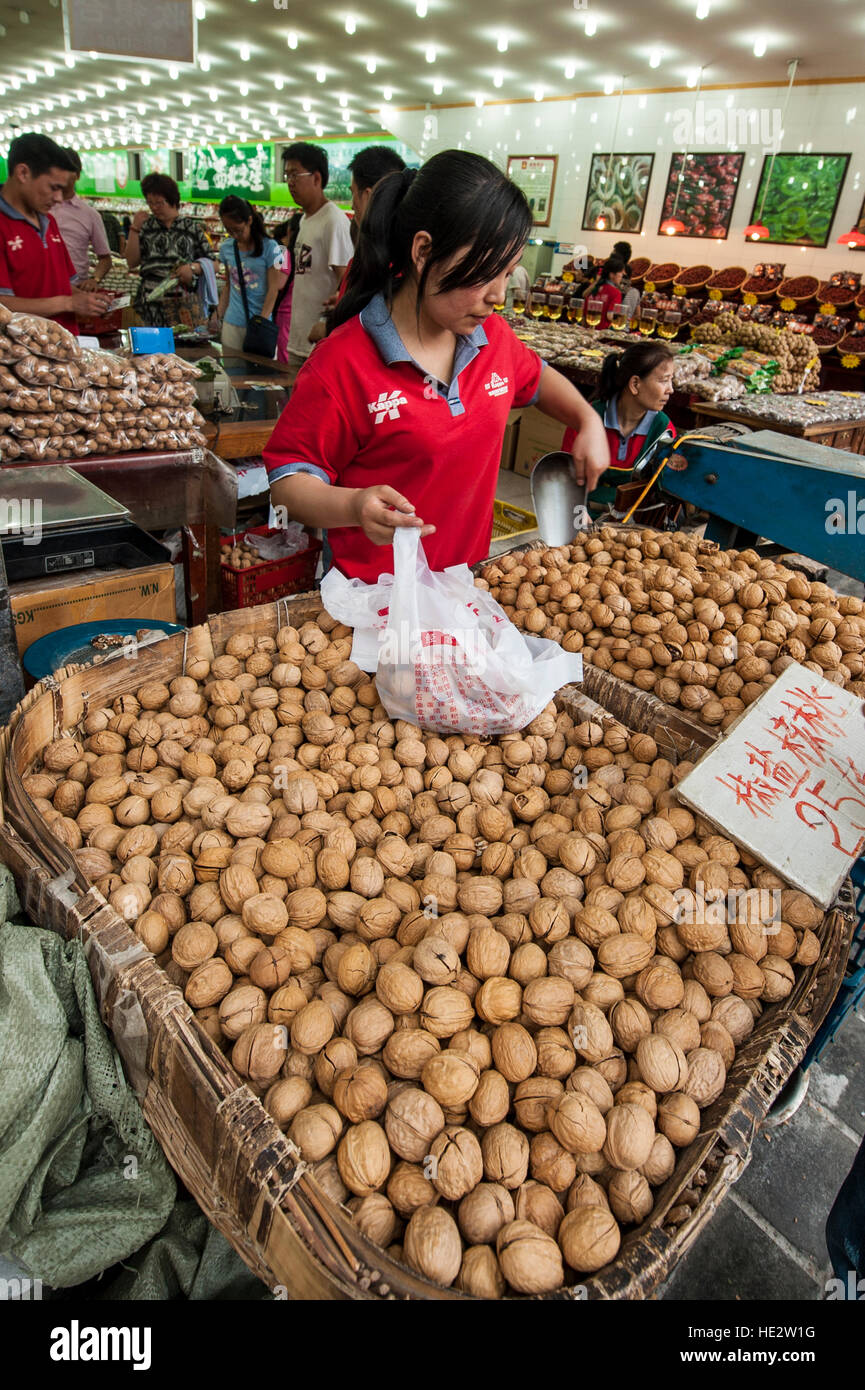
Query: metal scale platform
[[53, 521], [804, 497]]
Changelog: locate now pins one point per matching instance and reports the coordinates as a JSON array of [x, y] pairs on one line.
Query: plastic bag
[[164, 366], [170, 394], [10, 351], [107, 371], [42, 371], [447, 656], [44, 337]]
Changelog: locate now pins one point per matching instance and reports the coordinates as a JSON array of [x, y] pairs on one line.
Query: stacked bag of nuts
[[795, 352], [59, 402], [705, 629], [486, 987]]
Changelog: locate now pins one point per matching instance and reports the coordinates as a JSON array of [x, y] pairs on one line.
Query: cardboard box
[[538, 435], [509, 444], [44, 605]]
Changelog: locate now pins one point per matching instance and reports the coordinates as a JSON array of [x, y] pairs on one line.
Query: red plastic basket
[[270, 580]]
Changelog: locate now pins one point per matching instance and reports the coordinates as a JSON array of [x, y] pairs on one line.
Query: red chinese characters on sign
[[801, 744]]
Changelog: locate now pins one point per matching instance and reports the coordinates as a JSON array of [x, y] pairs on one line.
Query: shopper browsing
[[162, 243], [633, 391], [81, 227], [606, 288], [322, 250], [249, 252], [630, 293], [35, 269], [286, 234], [398, 418]]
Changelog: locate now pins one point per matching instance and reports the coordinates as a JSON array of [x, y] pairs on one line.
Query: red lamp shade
[[672, 227], [757, 232], [601, 224], [852, 239]]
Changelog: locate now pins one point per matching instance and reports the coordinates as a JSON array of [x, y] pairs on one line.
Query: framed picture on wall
[[801, 197], [535, 174], [702, 190], [860, 224], [616, 197]]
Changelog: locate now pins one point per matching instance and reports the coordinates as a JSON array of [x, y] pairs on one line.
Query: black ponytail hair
[[611, 265], [640, 359], [239, 210], [462, 200]]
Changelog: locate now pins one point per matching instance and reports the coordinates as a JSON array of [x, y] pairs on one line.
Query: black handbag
[[261, 333]]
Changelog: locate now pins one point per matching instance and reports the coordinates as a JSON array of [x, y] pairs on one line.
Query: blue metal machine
[[805, 497]]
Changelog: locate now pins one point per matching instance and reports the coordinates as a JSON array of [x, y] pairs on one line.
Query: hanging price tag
[[716, 294], [749, 299], [788, 305]]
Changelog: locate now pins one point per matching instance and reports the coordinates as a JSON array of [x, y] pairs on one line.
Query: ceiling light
[[186, 99], [692, 78], [438, 87], [145, 79], [371, 65], [162, 104], [350, 127], [200, 10], [320, 75], [120, 83], [539, 94], [213, 94], [591, 26], [141, 108], [570, 71], [15, 83], [655, 58], [319, 130], [479, 101], [100, 90], [498, 79], [343, 99], [64, 100], [502, 43], [420, 9], [430, 53], [69, 60], [243, 50], [609, 86], [702, 9], [244, 114], [173, 73], [273, 108], [49, 69], [759, 47], [204, 63], [291, 132], [24, 16], [387, 93], [306, 104], [350, 24], [291, 39], [244, 89], [30, 75]]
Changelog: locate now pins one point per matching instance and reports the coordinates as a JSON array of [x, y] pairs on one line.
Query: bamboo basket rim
[[279, 1219], [726, 270]]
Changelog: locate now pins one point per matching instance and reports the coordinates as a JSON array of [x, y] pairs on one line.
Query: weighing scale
[[53, 521], [805, 497]]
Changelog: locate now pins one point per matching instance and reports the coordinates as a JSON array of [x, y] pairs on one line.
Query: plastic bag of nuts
[[42, 371], [43, 337], [164, 366], [10, 351]]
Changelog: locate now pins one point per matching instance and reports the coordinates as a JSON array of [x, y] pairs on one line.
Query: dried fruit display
[[663, 273], [729, 279], [694, 275], [702, 190], [836, 294], [799, 287], [702, 629], [479, 993]]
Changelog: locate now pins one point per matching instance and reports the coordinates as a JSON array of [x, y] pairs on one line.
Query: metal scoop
[[558, 501]]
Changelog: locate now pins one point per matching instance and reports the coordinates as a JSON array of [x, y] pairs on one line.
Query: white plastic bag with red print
[[448, 658]]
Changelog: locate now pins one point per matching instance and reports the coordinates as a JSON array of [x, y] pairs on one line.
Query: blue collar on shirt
[[611, 422], [377, 322], [19, 217]]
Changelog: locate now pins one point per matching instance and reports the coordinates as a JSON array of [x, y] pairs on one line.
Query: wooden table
[[837, 434]]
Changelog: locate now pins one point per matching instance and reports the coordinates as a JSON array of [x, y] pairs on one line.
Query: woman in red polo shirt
[[398, 417], [607, 288]]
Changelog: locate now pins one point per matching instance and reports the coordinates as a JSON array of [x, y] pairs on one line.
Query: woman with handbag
[[255, 266]]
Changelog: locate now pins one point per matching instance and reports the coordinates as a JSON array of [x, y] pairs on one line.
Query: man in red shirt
[[35, 269]]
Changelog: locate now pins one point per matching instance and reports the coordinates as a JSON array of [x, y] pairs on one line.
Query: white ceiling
[[548, 54]]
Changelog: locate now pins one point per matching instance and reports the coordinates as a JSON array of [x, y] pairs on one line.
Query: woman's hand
[[185, 274], [380, 510], [139, 220], [591, 452]]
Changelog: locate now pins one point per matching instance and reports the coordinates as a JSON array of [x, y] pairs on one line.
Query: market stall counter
[[242, 402], [834, 418]]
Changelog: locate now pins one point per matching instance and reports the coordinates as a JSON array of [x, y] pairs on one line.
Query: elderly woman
[[162, 243]]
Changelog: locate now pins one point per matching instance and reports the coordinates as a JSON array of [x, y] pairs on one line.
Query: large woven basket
[[241, 1168]]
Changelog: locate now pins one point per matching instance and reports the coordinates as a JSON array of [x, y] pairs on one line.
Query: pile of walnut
[[241, 556], [450, 967], [705, 629]]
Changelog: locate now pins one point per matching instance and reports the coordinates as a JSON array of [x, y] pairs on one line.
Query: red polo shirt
[[34, 262], [363, 412]]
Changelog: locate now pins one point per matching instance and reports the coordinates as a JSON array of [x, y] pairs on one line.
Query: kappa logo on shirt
[[497, 385], [16, 243], [387, 406]]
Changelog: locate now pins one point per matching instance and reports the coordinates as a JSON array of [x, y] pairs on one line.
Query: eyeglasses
[[298, 174]]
